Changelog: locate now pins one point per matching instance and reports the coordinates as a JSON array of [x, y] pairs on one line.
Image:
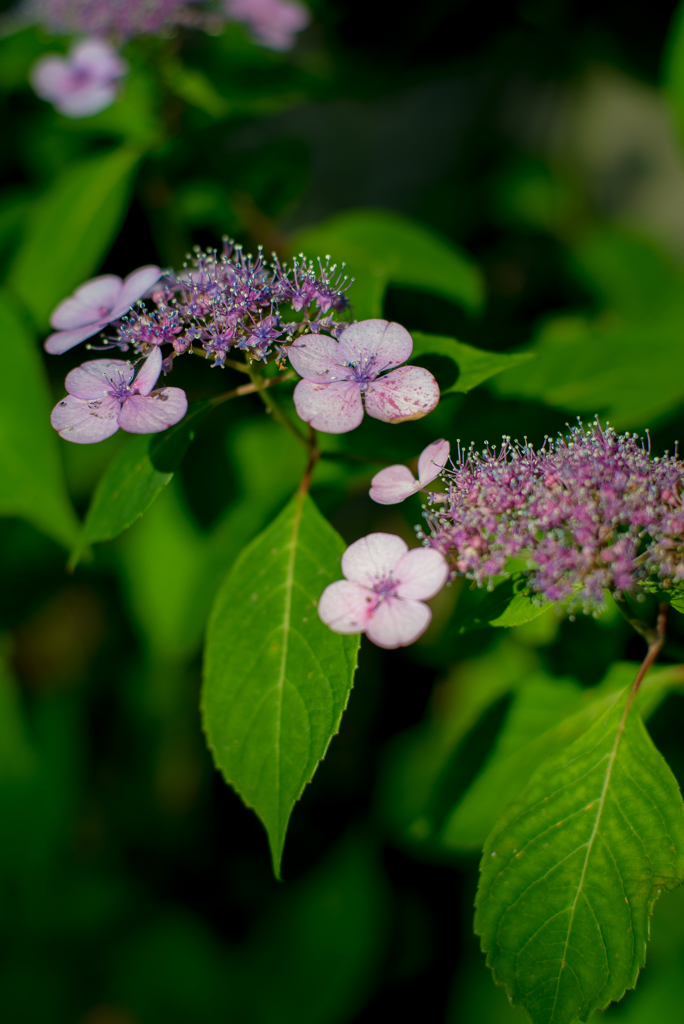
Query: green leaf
[[17, 757], [673, 64], [139, 471], [597, 365], [31, 477], [423, 773], [571, 872], [508, 604], [475, 365], [546, 714], [193, 86], [276, 679], [324, 936], [70, 229], [382, 248]]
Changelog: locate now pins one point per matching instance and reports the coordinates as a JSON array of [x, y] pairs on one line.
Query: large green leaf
[[382, 248], [627, 362], [31, 477], [70, 229], [475, 365], [139, 471], [545, 714], [571, 871], [276, 679]]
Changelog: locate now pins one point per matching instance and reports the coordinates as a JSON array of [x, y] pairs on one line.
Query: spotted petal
[[86, 422], [373, 557], [95, 378], [397, 623], [135, 286], [376, 342], [149, 372], [318, 358], [421, 572], [148, 414], [393, 484], [432, 461], [408, 393], [345, 606], [89, 304], [333, 408]]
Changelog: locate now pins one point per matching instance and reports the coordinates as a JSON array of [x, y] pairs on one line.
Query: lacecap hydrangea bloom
[[384, 591], [232, 305], [273, 23], [590, 512], [82, 83]]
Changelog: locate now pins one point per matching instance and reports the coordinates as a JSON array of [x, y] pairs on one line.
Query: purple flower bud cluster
[[589, 512], [272, 23], [232, 300]]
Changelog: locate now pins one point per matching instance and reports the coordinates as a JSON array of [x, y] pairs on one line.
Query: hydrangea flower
[[274, 23], [395, 483], [83, 83], [95, 304], [120, 18], [338, 373], [105, 394], [590, 512], [383, 591]]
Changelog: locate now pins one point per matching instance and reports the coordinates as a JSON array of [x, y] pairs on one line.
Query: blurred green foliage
[[441, 156]]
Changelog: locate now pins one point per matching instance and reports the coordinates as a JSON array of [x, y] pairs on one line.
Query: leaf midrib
[[599, 812], [287, 616]]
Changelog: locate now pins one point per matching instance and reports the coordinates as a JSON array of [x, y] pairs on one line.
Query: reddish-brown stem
[[656, 639]]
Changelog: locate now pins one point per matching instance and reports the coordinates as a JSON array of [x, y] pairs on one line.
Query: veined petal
[[89, 304], [134, 287], [392, 485], [408, 393], [318, 358], [378, 342], [421, 573], [62, 341], [94, 379], [397, 623], [332, 408], [344, 606], [149, 372], [148, 414], [432, 461], [372, 558], [85, 422]]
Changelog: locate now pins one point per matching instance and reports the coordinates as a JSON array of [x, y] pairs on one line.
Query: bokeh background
[[541, 138]]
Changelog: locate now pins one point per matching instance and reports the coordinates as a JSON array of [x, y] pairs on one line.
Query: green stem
[[260, 386], [251, 389]]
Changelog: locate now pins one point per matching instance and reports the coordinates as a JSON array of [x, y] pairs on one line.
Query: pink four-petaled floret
[[384, 590], [338, 373], [95, 304], [395, 483], [83, 83], [105, 394]]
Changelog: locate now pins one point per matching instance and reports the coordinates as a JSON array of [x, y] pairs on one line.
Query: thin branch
[[251, 389], [260, 386], [232, 363], [654, 648]]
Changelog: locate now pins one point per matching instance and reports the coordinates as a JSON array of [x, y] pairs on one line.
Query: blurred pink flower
[[274, 23], [103, 396], [95, 304], [337, 373], [394, 484], [83, 83], [384, 590]]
